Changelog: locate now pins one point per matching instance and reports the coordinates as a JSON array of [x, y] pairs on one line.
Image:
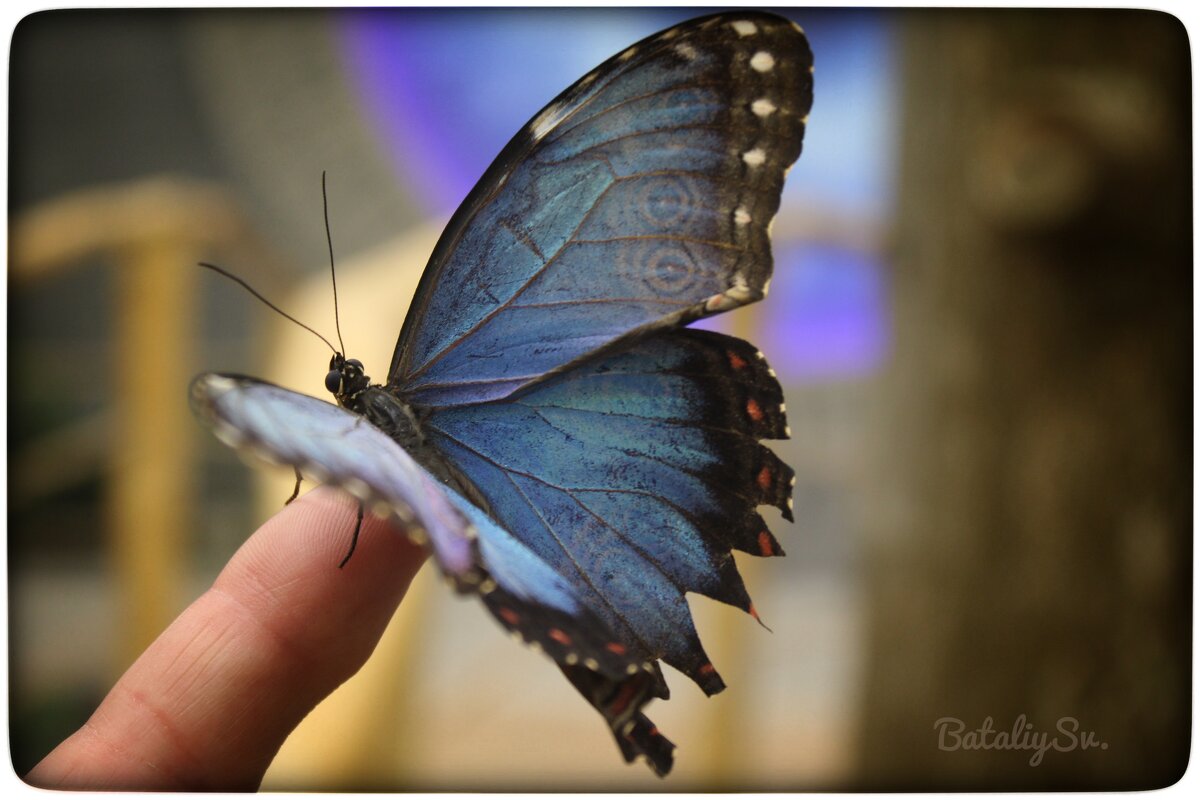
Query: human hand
[[209, 703]]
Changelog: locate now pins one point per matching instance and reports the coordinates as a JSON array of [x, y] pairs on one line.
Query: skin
[[209, 703]]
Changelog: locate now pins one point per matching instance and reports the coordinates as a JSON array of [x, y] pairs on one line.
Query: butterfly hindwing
[[640, 198], [620, 702], [634, 475]]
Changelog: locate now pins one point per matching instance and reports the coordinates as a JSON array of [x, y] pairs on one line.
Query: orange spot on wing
[[764, 544], [508, 615], [623, 697], [764, 478], [616, 647], [735, 361], [754, 410], [707, 669], [559, 636]]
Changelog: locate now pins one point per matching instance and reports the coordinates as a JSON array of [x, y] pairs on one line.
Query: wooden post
[[150, 491], [153, 230]]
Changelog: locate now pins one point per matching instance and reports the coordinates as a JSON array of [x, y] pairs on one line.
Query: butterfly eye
[[333, 381]]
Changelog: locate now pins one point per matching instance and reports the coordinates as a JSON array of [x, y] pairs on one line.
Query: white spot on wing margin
[[763, 107], [744, 27], [762, 61], [686, 51]]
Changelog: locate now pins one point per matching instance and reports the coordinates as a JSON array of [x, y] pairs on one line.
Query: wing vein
[[570, 240], [558, 130], [433, 359], [570, 492], [676, 422], [583, 574], [658, 301]]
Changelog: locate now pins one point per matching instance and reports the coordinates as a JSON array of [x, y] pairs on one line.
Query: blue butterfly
[[570, 452]]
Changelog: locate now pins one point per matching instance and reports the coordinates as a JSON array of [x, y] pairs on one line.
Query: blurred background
[[981, 315]]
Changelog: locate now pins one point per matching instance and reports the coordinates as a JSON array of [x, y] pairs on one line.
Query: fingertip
[[288, 569], [212, 699]]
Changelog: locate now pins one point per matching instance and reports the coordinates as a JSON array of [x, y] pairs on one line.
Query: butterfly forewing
[[638, 199]]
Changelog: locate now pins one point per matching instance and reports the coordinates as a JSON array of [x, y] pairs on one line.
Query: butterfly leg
[[296, 491], [354, 538]]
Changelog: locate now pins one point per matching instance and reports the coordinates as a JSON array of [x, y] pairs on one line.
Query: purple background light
[[827, 314], [446, 90]]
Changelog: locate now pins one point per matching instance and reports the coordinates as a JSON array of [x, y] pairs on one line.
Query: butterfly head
[[345, 378]]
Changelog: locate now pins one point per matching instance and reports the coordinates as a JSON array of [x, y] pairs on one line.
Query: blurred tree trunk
[[1030, 534]]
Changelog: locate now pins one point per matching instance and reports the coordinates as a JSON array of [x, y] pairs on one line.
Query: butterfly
[[567, 448]]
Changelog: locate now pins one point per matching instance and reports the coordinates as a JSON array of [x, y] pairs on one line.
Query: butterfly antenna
[[333, 272], [265, 301]]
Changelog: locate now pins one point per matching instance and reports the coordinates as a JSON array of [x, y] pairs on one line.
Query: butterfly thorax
[[353, 389]]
